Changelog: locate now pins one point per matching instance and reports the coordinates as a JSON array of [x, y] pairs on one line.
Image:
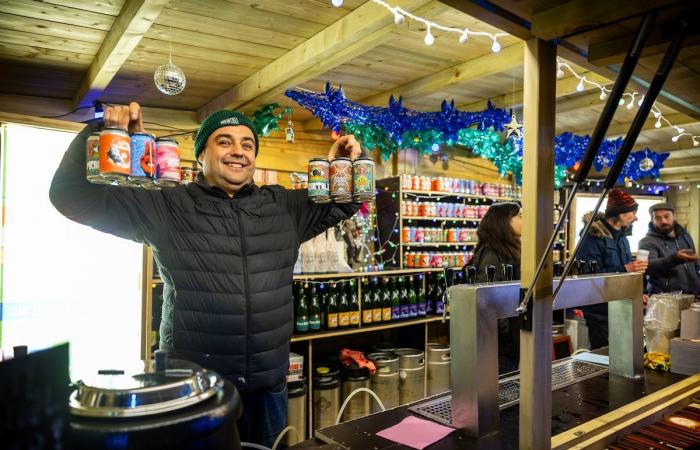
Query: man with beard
[[673, 263], [607, 244]]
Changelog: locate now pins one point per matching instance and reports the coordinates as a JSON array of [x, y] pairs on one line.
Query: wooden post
[[538, 199]]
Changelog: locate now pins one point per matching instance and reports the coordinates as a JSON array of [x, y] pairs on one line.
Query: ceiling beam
[[31, 109], [494, 15], [366, 27], [578, 16], [134, 20], [672, 176], [682, 163], [479, 67], [565, 86]]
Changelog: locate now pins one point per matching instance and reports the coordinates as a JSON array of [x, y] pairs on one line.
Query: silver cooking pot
[[179, 406]]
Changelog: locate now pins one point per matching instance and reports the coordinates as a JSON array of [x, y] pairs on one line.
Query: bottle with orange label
[[367, 296], [354, 310], [332, 308], [376, 302]]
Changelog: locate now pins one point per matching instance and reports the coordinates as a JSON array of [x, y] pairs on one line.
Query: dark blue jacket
[[610, 249], [226, 262]]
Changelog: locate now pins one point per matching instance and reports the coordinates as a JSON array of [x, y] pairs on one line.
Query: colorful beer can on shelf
[[92, 160], [115, 151], [452, 235], [406, 235], [142, 170], [363, 179], [188, 175], [406, 182], [167, 162], [424, 259], [410, 259], [420, 235], [341, 180], [319, 180]]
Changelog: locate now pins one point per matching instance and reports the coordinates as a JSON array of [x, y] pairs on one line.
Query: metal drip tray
[[564, 373]]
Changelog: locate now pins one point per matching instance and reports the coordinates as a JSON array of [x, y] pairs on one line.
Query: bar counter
[[571, 406]]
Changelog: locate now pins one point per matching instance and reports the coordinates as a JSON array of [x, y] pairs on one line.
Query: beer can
[[341, 180], [167, 162], [319, 180], [187, 175], [143, 159], [92, 160], [115, 155], [406, 235], [410, 261], [363, 179]]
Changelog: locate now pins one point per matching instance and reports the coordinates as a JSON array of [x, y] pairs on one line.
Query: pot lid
[[117, 394]]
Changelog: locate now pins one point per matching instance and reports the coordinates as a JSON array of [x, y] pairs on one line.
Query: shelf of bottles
[[426, 222], [370, 301]]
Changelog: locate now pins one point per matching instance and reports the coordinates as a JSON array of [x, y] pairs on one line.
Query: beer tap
[[490, 274], [580, 267], [508, 272], [558, 269], [593, 264], [470, 275]]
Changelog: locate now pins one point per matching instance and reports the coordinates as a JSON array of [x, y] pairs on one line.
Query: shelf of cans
[[441, 210], [442, 185], [433, 259], [115, 157], [341, 180], [420, 235], [345, 304]]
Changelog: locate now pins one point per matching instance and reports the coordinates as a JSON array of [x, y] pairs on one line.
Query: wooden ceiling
[[58, 54]]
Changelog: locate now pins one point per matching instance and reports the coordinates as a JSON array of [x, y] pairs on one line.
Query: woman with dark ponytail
[[499, 245]]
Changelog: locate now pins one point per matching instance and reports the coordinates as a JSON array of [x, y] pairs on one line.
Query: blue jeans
[[264, 415]]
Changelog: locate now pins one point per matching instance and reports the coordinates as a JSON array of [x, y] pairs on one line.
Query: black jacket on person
[[508, 329], [226, 262], [666, 272]]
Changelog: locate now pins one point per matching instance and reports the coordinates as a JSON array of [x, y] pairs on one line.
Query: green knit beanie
[[219, 119]]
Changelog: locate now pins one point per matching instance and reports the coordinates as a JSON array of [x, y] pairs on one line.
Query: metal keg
[[438, 369], [326, 383], [355, 377], [385, 382], [411, 374], [384, 347], [296, 411]]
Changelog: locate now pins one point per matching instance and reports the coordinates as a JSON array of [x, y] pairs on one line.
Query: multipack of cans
[[341, 180], [437, 235], [422, 259], [443, 209], [458, 186], [138, 160]]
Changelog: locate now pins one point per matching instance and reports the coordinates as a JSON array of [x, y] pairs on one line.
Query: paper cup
[[642, 255]]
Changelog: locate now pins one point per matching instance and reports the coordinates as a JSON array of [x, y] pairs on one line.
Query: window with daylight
[[61, 281]]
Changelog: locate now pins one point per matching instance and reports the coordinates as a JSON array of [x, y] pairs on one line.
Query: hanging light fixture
[[169, 78]]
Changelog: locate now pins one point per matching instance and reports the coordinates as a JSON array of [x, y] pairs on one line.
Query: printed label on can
[[341, 178], [167, 161], [92, 157], [115, 150], [319, 179], [143, 156], [363, 177]]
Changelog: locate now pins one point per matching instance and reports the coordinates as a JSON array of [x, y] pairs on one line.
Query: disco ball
[[646, 165], [169, 79]]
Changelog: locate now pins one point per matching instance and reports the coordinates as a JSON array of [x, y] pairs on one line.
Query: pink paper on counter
[[415, 432]]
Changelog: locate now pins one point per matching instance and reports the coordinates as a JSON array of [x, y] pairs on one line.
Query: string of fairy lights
[[630, 99], [400, 16]]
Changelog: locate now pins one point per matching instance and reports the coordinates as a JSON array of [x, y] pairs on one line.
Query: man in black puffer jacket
[[673, 263], [225, 248]]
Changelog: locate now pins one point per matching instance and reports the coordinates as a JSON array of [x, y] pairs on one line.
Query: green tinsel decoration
[[266, 120]]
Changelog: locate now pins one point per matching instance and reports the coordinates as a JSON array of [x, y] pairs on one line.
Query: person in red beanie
[[607, 244]]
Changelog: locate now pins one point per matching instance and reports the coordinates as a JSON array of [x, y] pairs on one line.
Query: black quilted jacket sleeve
[[313, 218], [125, 212]]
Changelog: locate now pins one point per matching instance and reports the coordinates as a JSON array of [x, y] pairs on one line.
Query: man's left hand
[[345, 146]]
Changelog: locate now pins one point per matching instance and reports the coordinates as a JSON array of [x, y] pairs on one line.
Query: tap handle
[[490, 274]]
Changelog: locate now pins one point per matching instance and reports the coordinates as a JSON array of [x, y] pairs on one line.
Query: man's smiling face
[[228, 159]]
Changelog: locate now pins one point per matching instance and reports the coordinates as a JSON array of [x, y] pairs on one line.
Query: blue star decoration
[[643, 164]]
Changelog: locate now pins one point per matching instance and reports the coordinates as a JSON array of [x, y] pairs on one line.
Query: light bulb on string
[[579, 86], [496, 47], [603, 95], [656, 114], [464, 37], [621, 102], [398, 17], [337, 3], [560, 73], [429, 38], [675, 138], [641, 99], [680, 130], [630, 105], [658, 123], [695, 142]]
